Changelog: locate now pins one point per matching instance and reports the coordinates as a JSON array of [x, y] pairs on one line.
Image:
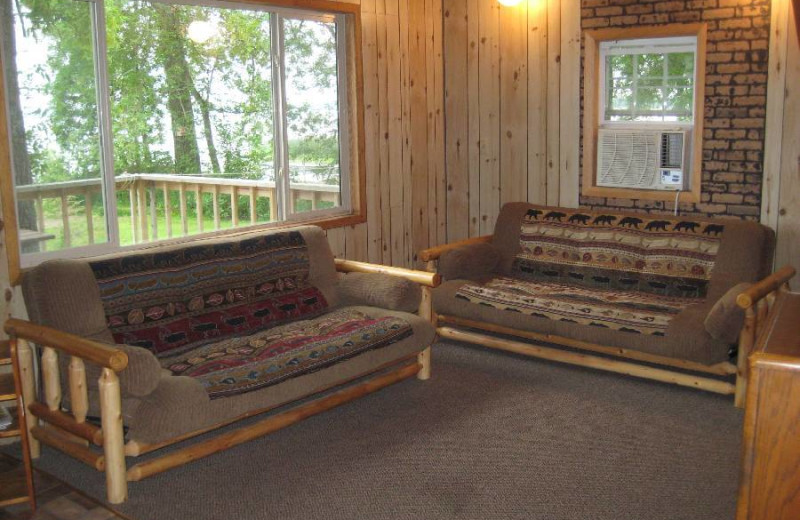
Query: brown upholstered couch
[[658, 289], [202, 335]]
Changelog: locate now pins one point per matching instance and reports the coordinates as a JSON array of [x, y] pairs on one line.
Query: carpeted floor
[[491, 435]]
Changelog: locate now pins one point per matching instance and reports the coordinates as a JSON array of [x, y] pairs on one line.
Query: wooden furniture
[[744, 256], [770, 480], [16, 486]]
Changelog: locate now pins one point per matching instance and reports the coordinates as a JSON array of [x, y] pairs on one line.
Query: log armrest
[[764, 287], [139, 370], [421, 277]]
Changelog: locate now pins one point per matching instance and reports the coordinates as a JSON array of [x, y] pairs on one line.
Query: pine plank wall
[[509, 98]]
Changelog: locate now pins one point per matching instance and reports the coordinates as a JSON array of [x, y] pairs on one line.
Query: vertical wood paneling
[[405, 119], [369, 46], [553, 101], [489, 106], [419, 126], [474, 121], [537, 102], [456, 105], [437, 182], [383, 134], [513, 103], [570, 103], [788, 225]]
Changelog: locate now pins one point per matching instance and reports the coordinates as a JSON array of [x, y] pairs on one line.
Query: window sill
[[629, 193]]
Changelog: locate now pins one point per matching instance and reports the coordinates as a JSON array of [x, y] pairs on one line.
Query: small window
[[643, 112], [648, 80], [138, 121]]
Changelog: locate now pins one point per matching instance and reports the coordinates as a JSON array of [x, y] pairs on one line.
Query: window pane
[[192, 112], [681, 64], [52, 107], [650, 65], [312, 114]]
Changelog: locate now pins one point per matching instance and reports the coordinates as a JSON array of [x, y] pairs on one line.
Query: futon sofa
[[175, 341], [656, 289]]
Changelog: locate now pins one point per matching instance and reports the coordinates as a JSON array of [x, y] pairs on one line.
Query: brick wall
[[735, 97]]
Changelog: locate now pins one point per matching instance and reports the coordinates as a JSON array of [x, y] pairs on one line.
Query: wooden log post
[[198, 200], [215, 206], [747, 339], [424, 360], [25, 356], [182, 201], [113, 441], [51, 378], [167, 209], [78, 392]]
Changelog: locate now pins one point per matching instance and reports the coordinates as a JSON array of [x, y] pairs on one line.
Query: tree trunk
[[205, 110], [172, 50], [26, 213]]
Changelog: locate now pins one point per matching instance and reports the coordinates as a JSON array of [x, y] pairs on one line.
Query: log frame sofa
[[60, 418], [479, 260]]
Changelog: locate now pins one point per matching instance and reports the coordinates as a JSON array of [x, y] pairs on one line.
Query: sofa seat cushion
[[685, 336], [171, 300], [180, 404], [244, 364], [625, 311]]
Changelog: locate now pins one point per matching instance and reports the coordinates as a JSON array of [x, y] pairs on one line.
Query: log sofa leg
[[113, 441], [424, 359], [25, 355]]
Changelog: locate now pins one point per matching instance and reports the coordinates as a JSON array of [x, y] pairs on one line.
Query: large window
[[643, 115], [132, 121]]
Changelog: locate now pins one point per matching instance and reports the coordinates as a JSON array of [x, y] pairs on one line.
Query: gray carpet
[[491, 435]]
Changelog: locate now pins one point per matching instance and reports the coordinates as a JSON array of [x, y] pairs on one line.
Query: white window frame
[[350, 134], [666, 45]]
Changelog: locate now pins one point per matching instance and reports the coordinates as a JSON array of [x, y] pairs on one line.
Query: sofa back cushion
[[172, 299], [659, 254]]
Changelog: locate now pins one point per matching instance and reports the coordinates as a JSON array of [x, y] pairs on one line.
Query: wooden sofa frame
[[756, 302], [67, 430]]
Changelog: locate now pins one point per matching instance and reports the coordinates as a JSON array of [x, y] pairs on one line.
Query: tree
[[26, 213]]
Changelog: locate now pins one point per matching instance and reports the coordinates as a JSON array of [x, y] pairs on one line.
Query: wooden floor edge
[[587, 360], [270, 424]]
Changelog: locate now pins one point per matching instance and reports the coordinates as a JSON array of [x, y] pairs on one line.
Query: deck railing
[[142, 189]]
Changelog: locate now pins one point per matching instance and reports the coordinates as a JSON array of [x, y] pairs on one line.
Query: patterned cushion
[[175, 300], [665, 256], [266, 358], [635, 312]]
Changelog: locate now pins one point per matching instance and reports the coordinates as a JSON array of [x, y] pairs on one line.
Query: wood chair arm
[[421, 277], [762, 288], [433, 253], [96, 352]]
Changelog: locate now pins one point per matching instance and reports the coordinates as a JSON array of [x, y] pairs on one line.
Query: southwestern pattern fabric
[[665, 256], [635, 312], [269, 357], [171, 302]]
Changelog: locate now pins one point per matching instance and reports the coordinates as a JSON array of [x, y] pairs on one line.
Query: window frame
[[594, 108], [352, 148]]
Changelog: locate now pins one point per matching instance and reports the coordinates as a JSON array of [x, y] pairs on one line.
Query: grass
[[79, 235]]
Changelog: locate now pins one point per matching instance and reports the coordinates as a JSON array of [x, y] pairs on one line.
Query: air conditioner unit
[[642, 159]]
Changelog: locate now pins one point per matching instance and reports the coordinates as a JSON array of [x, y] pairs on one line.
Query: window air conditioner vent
[[641, 159]]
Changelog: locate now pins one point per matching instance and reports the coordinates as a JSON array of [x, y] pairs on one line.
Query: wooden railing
[[142, 189]]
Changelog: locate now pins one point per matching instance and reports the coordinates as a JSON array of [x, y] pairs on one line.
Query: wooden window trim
[[357, 147], [591, 103]]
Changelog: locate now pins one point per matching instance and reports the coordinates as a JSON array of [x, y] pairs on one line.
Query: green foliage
[[642, 87]]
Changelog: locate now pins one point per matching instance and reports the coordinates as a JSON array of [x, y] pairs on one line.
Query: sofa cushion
[[470, 262], [379, 290], [174, 299], [684, 338], [725, 319], [625, 311], [180, 404], [662, 255], [237, 365]]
